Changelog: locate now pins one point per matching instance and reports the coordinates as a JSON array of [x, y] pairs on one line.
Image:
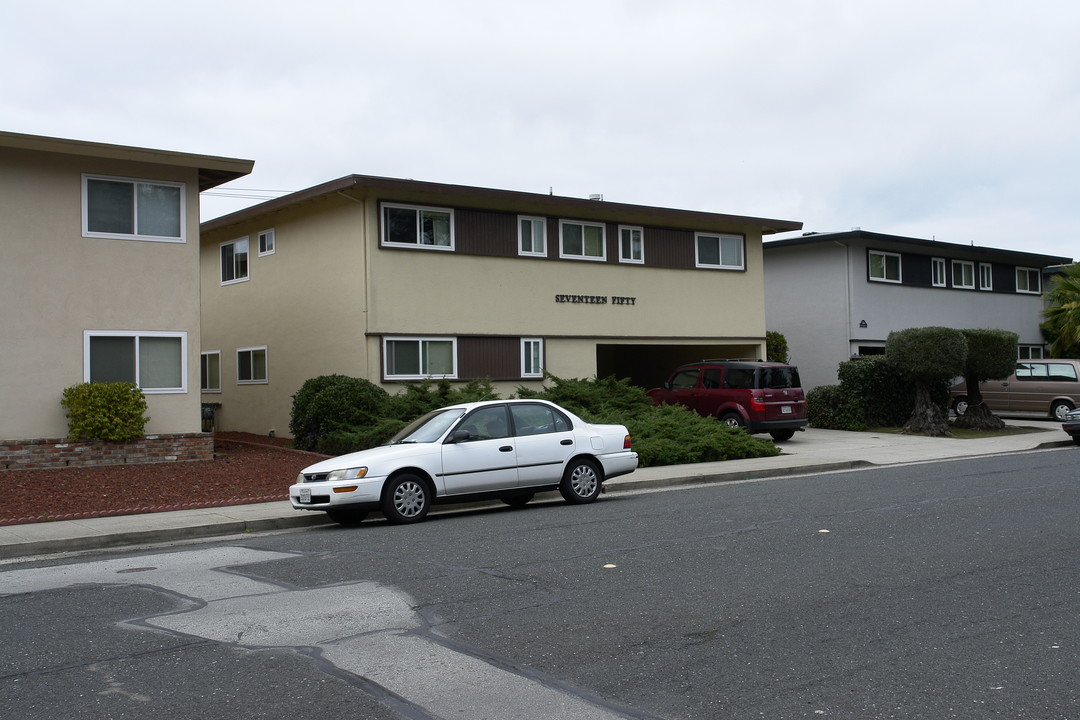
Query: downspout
[[366, 274], [847, 291]]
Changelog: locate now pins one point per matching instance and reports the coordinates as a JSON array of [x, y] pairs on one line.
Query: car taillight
[[757, 404], [626, 443]]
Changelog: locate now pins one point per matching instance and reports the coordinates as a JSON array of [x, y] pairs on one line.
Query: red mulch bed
[[246, 469]]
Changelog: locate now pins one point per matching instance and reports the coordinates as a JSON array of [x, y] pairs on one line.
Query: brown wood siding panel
[[485, 233], [669, 248], [496, 358]]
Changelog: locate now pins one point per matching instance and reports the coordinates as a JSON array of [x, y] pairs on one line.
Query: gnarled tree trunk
[[927, 417]]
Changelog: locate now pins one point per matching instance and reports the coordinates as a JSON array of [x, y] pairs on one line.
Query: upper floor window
[[1029, 352], [1028, 280], [210, 371], [251, 365], [266, 242], [155, 361], [631, 247], [963, 274], [719, 251], [939, 272], [532, 357], [133, 209], [416, 226], [234, 261], [986, 276], [416, 358], [582, 240], [532, 236], [884, 266]]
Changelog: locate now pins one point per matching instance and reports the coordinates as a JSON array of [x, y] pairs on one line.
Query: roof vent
[[596, 196]]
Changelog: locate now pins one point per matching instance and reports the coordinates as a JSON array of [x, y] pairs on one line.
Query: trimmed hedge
[[105, 411], [872, 393]]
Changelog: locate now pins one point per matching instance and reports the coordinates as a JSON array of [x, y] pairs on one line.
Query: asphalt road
[[938, 590]]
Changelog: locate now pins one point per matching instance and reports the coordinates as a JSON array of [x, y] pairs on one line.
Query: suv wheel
[[733, 420], [782, 435]]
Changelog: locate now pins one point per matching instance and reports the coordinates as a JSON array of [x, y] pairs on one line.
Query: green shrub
[[420, 398], [831, 407], [872, 393], [333, 403], [105, 411], [776, 347]]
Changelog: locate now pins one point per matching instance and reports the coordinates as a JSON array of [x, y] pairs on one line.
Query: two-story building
[[837, 295], [398, 280], [100, 277]]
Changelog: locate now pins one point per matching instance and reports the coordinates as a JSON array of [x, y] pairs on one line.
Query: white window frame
[[267, 242], [884, 255], [938, 275], [602, 257], [1030, 352], [419, 210], [963, 264], [421, 339], [986, 276], [1029, 271], [134, 235], [528, 368], [623, 258], [88, 334], [534, 223], [221, 261], [203, 386], [266, 365], [719, 237]]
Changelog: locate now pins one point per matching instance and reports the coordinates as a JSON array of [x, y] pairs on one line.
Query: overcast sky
[[950, 120]]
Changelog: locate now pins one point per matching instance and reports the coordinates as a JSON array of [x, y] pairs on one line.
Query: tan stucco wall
[[55, 284]]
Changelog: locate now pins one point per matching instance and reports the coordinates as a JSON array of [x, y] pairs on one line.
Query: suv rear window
[[776, 378]]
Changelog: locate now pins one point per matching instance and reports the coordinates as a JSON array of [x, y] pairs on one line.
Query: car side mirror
[[460, 436], [667, 385]]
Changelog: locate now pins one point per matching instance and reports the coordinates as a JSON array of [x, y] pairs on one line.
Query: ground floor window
[[251, 366], [416, 358], [155, 361], [1029, 352], [210, 371]]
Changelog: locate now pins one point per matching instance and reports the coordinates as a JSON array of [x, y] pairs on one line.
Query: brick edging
[[55, 453]]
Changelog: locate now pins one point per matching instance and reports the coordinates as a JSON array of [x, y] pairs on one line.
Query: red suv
[[758, 396]]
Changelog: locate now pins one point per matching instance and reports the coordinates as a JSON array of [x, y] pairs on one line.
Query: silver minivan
[[1048, 388]]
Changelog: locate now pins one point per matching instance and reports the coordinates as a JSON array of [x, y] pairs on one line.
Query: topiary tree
[[991, 355], [332, 403], [776, 347], [927, 355]]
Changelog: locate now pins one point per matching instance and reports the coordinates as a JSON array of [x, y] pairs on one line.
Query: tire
[[782, 435], [960, 406], [1076, 439], [517, 501], [405, 499], [582, 482], [347, 517], [733, 420], [1058, 410]]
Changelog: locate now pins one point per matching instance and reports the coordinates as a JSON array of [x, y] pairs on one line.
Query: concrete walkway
[[808, 452]]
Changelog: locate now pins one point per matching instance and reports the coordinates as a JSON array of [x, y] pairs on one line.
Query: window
[[210, 371], [532, 357], [415, 358], [1036, 371], [963, 274], [486, 423], [939, 272], [133, 209], [532, 236], [719, 251], [251, 366], [986, 276], [884, 266], [426, 227], [1028, 280], [234, 261], [1029, 352], [631, 249], [582, 240], [155, 361], [532, 419], [266, 243]]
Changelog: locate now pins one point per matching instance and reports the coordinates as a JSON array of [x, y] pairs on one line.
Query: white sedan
[[508, 449]]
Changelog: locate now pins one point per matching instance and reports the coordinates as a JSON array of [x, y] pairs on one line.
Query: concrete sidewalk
[[808, 452]]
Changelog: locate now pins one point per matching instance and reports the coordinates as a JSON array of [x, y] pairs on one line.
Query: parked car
[[751, 394], [1071, 425], [508, 449], [1043, 387]]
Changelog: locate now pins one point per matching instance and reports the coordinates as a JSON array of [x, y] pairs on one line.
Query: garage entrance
[[648, 366]]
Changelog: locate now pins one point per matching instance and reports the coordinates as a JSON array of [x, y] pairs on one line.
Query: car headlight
[[1072, 415], [350, 474]]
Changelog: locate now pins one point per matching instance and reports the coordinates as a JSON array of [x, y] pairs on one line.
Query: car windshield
[[777, 378], [428, 428]]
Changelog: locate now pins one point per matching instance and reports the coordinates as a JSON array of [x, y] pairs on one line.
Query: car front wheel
[[406, 499], [581, 483], [347, 517]]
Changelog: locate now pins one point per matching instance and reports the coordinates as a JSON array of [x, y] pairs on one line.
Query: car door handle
[[567, 442], [506, 448]]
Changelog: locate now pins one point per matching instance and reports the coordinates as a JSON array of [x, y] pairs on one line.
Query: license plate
[[785, 409], [305, 495]]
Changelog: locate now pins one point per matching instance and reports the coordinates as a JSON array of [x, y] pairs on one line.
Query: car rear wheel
[[347, 517], [733, 420], [406, 499], [517, 500], [1059, 409], [960, 406], [782, 435], [581, 483]]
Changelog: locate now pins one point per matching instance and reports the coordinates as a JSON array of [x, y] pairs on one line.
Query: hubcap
[[583, 480], [409, 499]]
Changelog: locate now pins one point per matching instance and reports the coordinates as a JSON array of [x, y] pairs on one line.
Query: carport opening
[[648, 366]]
